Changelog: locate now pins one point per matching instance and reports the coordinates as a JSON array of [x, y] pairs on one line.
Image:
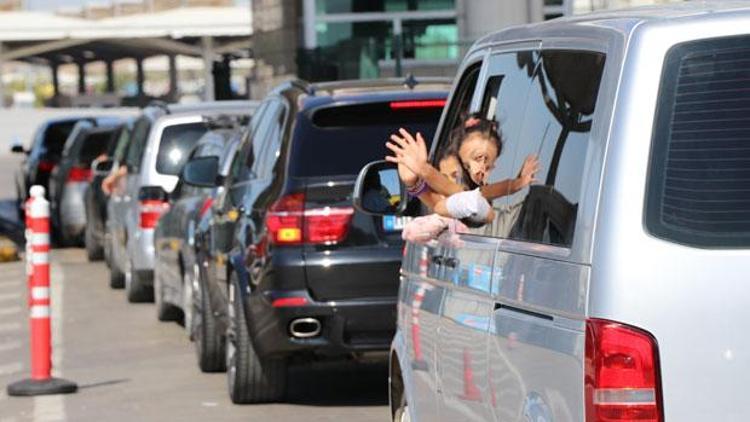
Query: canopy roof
[[34, 35]]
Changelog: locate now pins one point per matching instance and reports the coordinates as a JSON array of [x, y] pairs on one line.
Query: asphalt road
[[130, 367]]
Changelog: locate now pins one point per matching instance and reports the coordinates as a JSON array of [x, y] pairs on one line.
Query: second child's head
[[479, 148]]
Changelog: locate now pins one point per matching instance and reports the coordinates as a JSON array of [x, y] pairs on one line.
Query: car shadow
[[348, 383]]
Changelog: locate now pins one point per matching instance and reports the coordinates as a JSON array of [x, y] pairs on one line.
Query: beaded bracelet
[[418, 189]]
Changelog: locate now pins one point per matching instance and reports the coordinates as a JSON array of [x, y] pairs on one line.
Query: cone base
[[30, 387]]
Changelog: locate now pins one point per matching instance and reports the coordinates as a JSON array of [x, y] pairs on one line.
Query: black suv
[[290, 269]]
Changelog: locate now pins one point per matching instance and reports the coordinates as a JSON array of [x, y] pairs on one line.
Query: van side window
[[141, 129], [556, 127], [698, 189], [459, 107]]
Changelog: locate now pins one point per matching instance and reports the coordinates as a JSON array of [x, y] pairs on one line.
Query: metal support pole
[[398, 46], [54, 68], [2, 85], [311, 36], [110, 76], [81, 77], [173, 87], [208, 62], [140, 76]]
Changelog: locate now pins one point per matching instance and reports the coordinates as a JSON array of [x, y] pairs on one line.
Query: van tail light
[[152, 201], [45, 166], [289, 223], [79, 174], [622, 374]]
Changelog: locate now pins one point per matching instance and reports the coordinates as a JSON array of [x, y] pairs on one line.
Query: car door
[[538, 325], [466, 259], [422, 290], [125, 194]]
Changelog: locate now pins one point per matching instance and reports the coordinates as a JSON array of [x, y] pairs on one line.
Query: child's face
[[450, 167], [478, 154]]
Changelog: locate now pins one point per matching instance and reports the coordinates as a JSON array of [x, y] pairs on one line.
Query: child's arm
[[510, 186]]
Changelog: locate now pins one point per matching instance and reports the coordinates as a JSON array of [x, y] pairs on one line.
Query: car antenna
[[410, 81]]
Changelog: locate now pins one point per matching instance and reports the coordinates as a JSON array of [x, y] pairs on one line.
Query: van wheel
[[251, 379], [399, 406], [94, 250], [116, 276], [210, 345], [136, 288], [164, 311]]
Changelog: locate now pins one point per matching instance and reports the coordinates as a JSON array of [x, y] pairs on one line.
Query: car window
[[260, 136], [270, 140], [93, 146], [123, 141], [697, 191], [557, 122], [176, 143], [244, 160], [138, 140]]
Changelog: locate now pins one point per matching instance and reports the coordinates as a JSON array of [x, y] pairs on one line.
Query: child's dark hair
[[476, 123]]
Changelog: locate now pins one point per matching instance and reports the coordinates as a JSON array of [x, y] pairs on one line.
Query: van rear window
[[340, 140], [176, 143], [699, 180]]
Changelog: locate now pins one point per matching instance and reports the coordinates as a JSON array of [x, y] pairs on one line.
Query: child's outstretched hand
[[527, 175], [408, 151]]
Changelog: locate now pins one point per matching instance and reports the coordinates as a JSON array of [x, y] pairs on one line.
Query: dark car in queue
[[298, 274], [70, 178], [95, 198], [42, 156], [175, 263]]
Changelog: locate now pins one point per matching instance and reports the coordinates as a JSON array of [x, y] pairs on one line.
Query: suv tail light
[[622, 374], [289, 223], [152, 201], [79, 174]]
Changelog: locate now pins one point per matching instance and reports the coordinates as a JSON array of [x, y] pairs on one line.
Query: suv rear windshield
[[55, 136], [340, 140], [699, 179], [176, 143]]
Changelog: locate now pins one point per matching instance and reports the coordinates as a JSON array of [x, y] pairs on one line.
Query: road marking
[[10, 310], [10, 345], [11, 368], [10, 327], [52, 408]]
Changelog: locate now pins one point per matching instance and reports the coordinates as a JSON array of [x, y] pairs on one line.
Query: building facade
[[321, 40]]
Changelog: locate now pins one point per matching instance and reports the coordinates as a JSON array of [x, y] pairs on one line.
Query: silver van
[[615, 288], [162, 138]]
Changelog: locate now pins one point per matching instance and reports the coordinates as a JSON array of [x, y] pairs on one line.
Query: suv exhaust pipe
[[304, 327]]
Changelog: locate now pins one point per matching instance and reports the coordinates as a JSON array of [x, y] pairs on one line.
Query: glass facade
[[354, 50]]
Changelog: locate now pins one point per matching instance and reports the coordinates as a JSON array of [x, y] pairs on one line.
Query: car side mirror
[[201, 172], [102, 167], [17, 149], [379, 191]]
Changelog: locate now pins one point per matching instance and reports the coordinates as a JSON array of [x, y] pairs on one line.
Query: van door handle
[[438, 260], [450, 262], [527, 312]]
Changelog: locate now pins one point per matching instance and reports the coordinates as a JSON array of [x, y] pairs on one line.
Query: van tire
[[210, 344], [94, 250], [251, 379], [136, 288], [116, 276], [165, 312]]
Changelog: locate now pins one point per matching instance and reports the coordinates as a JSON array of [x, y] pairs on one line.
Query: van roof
[[621, 22]]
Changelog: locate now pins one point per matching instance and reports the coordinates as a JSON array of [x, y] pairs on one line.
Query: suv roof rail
[[160, 104], [226, 121]]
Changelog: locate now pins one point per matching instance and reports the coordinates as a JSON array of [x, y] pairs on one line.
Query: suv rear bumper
[[346, 326]]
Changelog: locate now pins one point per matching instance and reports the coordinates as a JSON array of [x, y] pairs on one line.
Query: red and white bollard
[[37, 249]]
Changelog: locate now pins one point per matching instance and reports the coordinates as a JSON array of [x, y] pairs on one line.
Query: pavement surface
[[130, 367]]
